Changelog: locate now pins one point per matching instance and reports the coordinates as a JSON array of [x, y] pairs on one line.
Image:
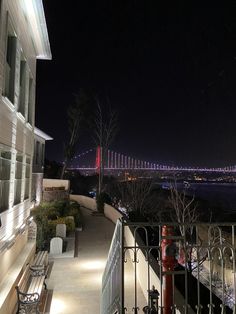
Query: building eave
[[34, 13], [41, 134]]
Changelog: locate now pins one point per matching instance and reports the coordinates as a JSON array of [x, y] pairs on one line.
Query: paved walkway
[[76, 282]]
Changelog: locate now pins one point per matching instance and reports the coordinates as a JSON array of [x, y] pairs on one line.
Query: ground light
[[94, 265], [57, 306]]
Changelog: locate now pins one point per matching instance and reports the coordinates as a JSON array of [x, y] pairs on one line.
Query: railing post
[[122, 266], [168, 263]]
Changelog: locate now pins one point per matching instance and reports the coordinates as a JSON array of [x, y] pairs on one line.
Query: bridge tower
[[98, 159]]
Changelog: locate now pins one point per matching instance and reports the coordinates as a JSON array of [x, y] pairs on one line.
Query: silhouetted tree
[[76, 117], [105, 129]]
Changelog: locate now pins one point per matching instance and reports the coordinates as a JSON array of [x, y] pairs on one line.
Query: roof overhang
[[41, 134], [34, 12]]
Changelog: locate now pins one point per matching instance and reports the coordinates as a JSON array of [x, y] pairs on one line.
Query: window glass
[[42, 154], [30, 102], [37, 153], [5, 171], [18, 178], [10, 65], [21, 105]]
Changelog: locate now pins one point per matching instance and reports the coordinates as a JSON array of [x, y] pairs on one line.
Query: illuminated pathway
[[76, 282]]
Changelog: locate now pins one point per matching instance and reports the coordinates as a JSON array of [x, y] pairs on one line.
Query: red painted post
[[168, 264]]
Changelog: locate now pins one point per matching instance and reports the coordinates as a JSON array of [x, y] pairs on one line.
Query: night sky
[[169, 69]]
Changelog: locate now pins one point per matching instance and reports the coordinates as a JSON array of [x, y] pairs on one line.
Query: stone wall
[[47, 183], [55, 190], [84, 201]]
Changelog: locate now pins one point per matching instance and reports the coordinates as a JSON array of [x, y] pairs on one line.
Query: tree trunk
[[63, 169]]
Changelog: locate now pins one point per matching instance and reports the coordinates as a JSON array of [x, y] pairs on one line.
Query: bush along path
[[48, 215]]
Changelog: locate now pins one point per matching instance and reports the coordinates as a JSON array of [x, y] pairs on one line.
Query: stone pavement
[[76, 282]]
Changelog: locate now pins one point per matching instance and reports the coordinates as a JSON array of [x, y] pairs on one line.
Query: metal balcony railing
[[172, 268]]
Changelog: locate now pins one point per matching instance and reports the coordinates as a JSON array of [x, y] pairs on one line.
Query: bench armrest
[[37, 270], [27, 298]]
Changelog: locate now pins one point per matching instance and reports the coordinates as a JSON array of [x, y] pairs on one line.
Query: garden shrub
[[74, 211], [48, 214], [42, 228], [70, 224]]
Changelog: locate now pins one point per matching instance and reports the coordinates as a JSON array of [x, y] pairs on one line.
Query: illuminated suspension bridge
[[115, 161]]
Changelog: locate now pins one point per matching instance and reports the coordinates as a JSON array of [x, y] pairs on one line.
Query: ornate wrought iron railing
[[170, 268]]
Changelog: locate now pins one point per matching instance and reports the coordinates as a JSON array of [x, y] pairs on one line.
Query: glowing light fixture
[[92, 265]]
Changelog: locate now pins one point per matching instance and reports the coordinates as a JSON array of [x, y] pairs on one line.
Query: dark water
[[218, 194]]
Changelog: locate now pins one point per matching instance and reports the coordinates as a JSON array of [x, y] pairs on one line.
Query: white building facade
[[23, 40], [40, 139]]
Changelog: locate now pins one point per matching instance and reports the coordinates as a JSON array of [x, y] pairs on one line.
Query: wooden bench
[[41, 259], [40, 264], [31, 284], [29, 290]]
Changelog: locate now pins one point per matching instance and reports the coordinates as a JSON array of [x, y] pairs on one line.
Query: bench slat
[[41, 258], [36, 284]]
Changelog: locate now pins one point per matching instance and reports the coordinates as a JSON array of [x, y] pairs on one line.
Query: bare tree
[[186, 214], [134, 194], [105, 129], [185, 208], [75, 119]]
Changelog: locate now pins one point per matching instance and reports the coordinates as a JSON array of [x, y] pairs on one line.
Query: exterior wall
[[16, 133], [16, 145], [84, 201], [19, 256], [38, 169], [56, 183], [111, 213], [38, 160], [55, 190], [37, 187]]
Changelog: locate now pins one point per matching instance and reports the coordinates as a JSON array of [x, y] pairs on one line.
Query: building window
[[27, 178], [42, 154], [10, 65], [18, 178], [5, 170], [30, 102], [37, 153], [21, 105]]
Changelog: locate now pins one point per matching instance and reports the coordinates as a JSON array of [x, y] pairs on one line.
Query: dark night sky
[[169, 69]]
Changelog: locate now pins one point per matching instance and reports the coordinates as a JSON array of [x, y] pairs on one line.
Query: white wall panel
[[20, 136], [14, 131]]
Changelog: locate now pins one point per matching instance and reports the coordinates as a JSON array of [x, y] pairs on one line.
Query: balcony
[[147, 270], [179, 268]]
